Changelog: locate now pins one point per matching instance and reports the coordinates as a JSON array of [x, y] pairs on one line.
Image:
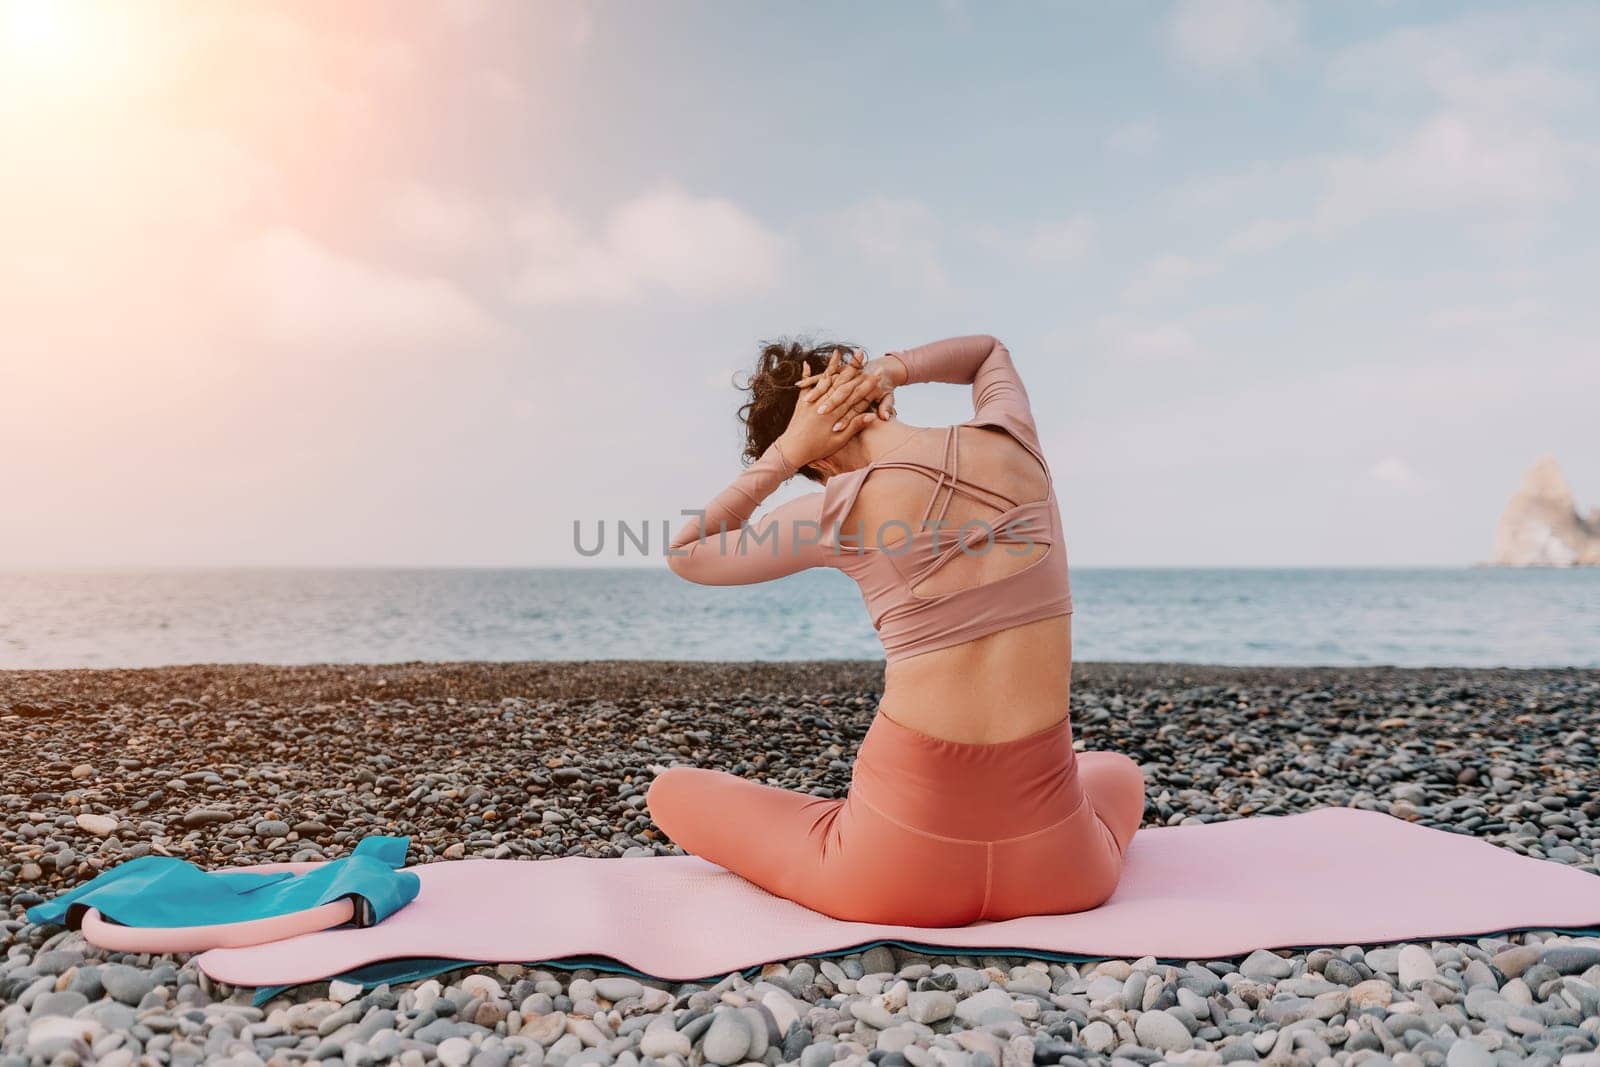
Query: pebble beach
[[233, 765]]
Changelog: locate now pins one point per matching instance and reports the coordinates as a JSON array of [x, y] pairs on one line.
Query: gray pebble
[[455, 1052], [1159, 1030], [878, 960], [727, 1040], [1467, 1053], [1341, 972], [615, 989], [58, 961], [127, 984], [930, 1006], [1564, 959], [972, 1009], [1262, 964], [63, 1003], [1290, 1006], [1415, 966], [818, 1055], [109, 1014]]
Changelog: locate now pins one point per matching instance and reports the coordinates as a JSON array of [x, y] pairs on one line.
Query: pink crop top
[[723, 548]]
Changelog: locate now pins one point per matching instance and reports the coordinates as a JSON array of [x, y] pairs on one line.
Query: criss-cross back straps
[[1000, 501], [969, 537], [946, 478], [948, 481], [949, 467]]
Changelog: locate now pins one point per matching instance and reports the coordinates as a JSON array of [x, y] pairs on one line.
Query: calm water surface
[[1465, 617]]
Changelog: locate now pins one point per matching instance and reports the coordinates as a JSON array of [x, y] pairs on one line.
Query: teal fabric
[[162, 891]]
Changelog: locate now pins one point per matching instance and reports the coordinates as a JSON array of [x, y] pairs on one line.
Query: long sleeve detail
[[980, 360], [721, 547]]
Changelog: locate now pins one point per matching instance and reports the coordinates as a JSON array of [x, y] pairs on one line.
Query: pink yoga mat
[[1335, 876]]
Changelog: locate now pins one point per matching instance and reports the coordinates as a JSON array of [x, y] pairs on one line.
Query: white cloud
[[1487, 62], [466, 13], [1063, 241], [439, 221], [1394, 474], [1454, 163], [1051, 241], [301, 293], [501, 89], [1166, 275], [1134, 138], [1233, 35], [1264, 235], [1479, 316], [581, 29], [565, 263], [662, 241], [297, 66], [697, 246], [957, 14], [1491, 145], [570, 23], [897, 235], [1147, 336], [1159, 341]]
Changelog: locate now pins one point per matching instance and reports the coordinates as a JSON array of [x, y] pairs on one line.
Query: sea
[[1470, 617]]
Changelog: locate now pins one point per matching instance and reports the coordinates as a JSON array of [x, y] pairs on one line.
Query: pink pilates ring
[[103, 933], [157, 940], [277, 868]]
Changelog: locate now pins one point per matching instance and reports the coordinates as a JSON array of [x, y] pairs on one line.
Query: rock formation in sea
[[1541, 526]]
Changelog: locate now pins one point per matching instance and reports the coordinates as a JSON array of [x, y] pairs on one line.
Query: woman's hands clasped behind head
[[856, 383], [834, 403]]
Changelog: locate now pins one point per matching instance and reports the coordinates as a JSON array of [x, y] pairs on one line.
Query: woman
[[967, 801]]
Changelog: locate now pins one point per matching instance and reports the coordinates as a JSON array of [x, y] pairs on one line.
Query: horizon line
[[108, 568]]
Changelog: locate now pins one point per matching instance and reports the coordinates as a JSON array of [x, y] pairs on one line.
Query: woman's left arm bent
[[719, 546]]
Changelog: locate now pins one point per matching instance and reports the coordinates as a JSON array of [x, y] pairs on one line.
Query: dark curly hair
[[774, 393]]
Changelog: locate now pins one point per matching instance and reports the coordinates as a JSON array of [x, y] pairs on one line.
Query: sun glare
[[41, 33], [58, 51]]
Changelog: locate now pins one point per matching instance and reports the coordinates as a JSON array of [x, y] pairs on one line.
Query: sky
[[358, 284]]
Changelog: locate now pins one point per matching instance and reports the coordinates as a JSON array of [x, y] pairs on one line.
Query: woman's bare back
[[1000, 686]]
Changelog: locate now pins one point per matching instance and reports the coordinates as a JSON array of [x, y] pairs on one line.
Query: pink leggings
[[931, 832]]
